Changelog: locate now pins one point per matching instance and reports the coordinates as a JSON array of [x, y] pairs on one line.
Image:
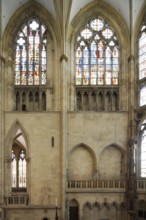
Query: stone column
[[2, 66], [63, 62]]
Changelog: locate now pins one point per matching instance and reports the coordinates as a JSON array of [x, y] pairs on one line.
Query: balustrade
[[16, 200], [104, 184]]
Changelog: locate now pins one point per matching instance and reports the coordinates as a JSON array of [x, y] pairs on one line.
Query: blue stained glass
[[86, 52], [85, 60], [93, 60], [93, 50]]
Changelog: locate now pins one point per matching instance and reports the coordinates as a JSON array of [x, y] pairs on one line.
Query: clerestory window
[[30, 56], [142, 65], [97, 54], [97, 66], [31, 66], [143, 149]]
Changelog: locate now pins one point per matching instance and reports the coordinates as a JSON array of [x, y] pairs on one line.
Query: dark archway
[[73, 210]]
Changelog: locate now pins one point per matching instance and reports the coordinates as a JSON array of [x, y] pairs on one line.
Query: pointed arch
[[42, 68], [74, 202], [17, 154], [117, 146], [74, 209], [105, 10], [138, 23], [138, 40], [12, 136], [88, 148], [32, 8], [78, 155], [112, 161], [81, 72]]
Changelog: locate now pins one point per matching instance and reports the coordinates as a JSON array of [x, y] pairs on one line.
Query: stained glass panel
[[13, 167], [142, 56], [97, 24], [103, 54], [143, 150], [143, 96], [86, 33], [30, 56], [107, 33]]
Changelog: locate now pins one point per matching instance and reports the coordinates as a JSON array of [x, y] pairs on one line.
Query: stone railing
[[141, 185], [97, 184], [104, 185], [16, 200]]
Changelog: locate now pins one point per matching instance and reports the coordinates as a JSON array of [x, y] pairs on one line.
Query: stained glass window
[[97, 54], [143, 149], [143, 96], [142, 53], [30, 54]]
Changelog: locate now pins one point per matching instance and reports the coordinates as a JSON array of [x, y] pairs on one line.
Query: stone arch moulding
[[45, 218], [107, 12], [121, 29], [116, 146], [71, 201], [33, 9], [119, 162], [140, 17], [87, 148], [12, 134]]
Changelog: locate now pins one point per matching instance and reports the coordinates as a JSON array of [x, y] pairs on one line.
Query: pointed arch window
[[97, 65], [30, 54], [142, 65], [19, 164], [142, 52], [143, 149], [97, 55]]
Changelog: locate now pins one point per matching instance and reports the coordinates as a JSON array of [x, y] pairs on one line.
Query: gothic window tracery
[[31, 66], [97, 54], [97, 62], [30, 56], [142, 65], [19, 164]]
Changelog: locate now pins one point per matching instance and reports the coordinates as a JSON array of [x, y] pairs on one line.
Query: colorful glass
[[143, 150], [97, 54], [30, 55], [142, 54], [143, 96]]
